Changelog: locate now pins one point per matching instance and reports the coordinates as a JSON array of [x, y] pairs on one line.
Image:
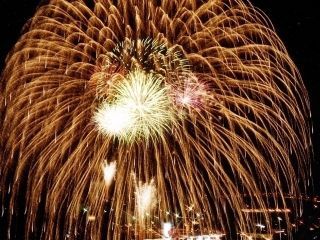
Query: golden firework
[[194, 103]]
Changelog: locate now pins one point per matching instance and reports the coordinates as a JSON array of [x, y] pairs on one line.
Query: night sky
[[296, 22]]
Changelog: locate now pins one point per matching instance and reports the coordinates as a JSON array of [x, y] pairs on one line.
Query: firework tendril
[[118, 116]]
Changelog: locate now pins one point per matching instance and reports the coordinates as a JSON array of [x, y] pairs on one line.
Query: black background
[[296, 22]]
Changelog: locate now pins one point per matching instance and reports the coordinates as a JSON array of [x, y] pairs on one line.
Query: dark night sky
[[296, 22], [296, 25]]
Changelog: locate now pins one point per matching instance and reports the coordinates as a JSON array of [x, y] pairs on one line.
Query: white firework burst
[[138, 106]]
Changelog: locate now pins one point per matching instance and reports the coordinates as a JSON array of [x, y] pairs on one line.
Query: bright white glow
[[113, 119], [166, 228], [145, 198], [109, 171]]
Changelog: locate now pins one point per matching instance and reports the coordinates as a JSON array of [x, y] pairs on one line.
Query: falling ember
[[200, 96], [145, 198], [109, 171]]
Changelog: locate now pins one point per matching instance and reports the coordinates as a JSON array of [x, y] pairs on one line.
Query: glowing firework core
[[114, 119], [137, 106]]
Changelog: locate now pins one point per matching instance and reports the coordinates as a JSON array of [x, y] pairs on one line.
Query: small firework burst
[[189, 92]]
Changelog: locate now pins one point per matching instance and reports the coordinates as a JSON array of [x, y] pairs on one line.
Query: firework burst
[[196, 106], [139, 107]]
